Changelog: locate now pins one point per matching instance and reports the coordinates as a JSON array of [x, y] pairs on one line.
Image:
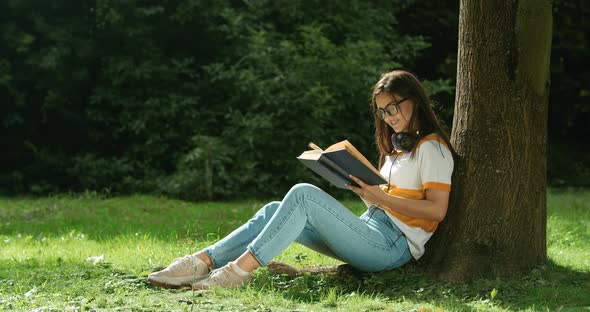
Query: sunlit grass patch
[[76, 253]]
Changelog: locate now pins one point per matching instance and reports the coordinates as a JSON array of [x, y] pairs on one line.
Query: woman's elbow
[[439, 203], [440, 214]]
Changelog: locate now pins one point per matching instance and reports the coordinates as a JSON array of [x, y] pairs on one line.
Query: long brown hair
[[405, 85]]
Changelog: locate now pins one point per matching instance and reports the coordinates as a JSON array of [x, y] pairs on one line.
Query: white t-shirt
[[431, 167]]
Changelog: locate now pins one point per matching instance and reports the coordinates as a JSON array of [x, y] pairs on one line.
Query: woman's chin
[[398, 129]]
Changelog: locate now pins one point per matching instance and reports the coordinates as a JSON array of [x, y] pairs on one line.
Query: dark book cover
[[328, 173], [335, 166], [351, 165]]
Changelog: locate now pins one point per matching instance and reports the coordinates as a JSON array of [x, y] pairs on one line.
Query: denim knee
[[300, 189], [266, 212], [270, 208]]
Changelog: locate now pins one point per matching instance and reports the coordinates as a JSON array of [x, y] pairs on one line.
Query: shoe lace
[[218, 276], [182, 263]]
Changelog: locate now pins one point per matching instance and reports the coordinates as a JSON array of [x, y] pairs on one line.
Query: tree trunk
[[496, 222]]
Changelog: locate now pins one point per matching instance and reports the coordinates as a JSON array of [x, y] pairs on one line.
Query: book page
[[311, 154], [354, 152]]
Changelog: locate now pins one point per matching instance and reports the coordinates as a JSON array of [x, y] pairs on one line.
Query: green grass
[[44, 244]]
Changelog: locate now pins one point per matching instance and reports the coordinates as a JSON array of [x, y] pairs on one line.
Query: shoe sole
[[164, 285], [175, 283]]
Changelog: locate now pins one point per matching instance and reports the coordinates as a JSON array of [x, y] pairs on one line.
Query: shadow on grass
[[551, 285]]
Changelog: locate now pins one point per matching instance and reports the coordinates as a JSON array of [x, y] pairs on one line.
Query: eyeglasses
[[390, 109]]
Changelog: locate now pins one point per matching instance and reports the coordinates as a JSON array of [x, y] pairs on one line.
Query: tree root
[[338, 270]]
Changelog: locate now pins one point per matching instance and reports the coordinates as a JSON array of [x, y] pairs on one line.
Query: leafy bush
[[210, 100]]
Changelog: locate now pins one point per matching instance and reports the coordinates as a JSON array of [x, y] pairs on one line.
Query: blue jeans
[[312, 217]]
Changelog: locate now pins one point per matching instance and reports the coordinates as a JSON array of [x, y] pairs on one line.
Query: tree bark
[[496, 222]]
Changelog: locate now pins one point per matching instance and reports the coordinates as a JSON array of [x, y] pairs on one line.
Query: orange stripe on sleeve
[[404, 193], [438, 186], [426, 225]]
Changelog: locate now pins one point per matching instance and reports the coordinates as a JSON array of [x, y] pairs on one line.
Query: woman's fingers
[[358, 190], [357, 180]]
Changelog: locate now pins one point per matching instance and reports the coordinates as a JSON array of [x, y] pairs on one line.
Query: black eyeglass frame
[[380, 112]]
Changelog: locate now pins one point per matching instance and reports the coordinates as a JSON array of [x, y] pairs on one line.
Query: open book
[[338, 161]]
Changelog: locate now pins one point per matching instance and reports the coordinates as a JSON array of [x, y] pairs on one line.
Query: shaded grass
[[45, 242]]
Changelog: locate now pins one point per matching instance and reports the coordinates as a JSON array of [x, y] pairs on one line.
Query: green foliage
[[569, 109], [99, 94], [203, 171], [125, 96], [288, 96], [190, 99]]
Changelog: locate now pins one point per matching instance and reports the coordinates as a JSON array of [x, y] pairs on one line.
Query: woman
[[415, 156]]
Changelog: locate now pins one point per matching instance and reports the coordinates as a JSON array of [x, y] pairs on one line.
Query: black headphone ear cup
[[405, 141]]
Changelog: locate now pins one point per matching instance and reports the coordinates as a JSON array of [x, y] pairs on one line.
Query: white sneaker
[[180, 273], [224, 277]]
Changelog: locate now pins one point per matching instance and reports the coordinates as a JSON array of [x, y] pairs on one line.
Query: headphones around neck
[[405, 141]]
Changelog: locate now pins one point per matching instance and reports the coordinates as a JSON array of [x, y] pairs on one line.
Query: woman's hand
[[371, 193]]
